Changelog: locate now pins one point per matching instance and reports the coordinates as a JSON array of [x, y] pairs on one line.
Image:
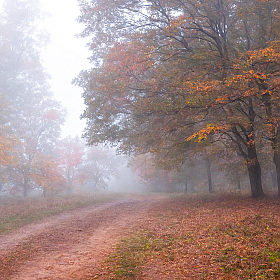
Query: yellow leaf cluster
[[204, 133]]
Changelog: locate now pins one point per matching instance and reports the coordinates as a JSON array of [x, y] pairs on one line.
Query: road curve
[[71, 245]]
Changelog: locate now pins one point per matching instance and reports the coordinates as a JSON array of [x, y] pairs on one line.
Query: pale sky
[[64, 58]]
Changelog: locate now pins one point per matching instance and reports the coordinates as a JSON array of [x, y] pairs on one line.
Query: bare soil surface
[[71, 245]]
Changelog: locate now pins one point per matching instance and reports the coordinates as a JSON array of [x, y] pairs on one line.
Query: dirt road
[[71, 245]]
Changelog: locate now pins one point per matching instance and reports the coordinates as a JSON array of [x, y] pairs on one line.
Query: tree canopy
[[166, 73]]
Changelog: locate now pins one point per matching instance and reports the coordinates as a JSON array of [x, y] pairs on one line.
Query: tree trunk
[[209, 177], [69, 183], [238, 184], [276, 159], [186, 184], [247, 135], [25, 187], [276, 154], [274, 131], [254, 170], [273, 176], [24, 191]]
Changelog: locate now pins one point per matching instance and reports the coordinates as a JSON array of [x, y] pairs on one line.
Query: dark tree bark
[[273, 131], [254, 170], [209, 176], [186, 184], [276, 153], [276, 159], [238, 184], [245, 140], [274, 179]]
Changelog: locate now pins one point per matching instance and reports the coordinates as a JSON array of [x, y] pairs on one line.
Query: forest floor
[[149, 237]]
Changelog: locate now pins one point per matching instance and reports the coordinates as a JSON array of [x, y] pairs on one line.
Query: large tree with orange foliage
[[167, 72]]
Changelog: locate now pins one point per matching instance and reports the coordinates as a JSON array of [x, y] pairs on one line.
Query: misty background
[[42, 143]]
